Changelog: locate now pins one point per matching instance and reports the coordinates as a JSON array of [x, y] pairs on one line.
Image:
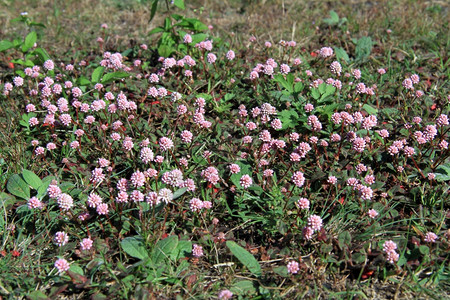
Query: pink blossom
[[293, 267]]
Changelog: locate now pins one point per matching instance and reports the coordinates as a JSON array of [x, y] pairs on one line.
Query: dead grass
[[74, 25]]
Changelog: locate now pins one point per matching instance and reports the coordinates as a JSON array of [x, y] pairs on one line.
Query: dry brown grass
[[72, 24]]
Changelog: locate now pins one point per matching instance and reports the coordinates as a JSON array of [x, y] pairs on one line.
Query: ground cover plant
[[199, 163]]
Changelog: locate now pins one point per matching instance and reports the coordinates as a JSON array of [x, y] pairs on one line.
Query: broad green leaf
[[244, 288], [370, 109], [179, 4], [363, 48], [18, 187], [199, 37], [178, 193], [76, 269], [289, 118], [153, 10], [110, 77], [5, 45], [42, 189], [30, 39], [424, 249], [245, 258], [245, 169], [315, 93], [32, 179], [282, 271], [333, 20], [165, 51], [184, 248], [341, 54], [6, 200], [97, 74], [344, 239], [37, 295], [82, 81], [156, 30], [134, 246], [42, 54], [165, 248]]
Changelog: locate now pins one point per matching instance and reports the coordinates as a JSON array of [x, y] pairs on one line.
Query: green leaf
[[285, 82], [370, 109], [42, 54], [165, 51], [245, 258], [76, 269], [153, 10], [156, 30], [165, 248], [18, 187], [37, 295], [289, 118], [245, 169], [179, 4], [358, 258], [333, 20], [282, 271], [244, 288], [184, 248], [424, 249], [134, 246], [110, 77], [97, 74], [315, 93], [30, 39], [6, 200], [178, 193], [83, 81], [32, 179], [42, 190], [341, 54], [199, 37], [344, 239], [5, 45], [363, 48]]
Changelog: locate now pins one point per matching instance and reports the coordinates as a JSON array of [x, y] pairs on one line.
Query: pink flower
[[303, 203], [389, 246], [430, 237], [61, 238], [307, 232], [197, 251], [293, 267], [65, 201], [315, 222], [230, 55], [234, 168], [165, 143], [276, 124], [137, 179], [34, 202], [246, 181], [309, 107], [332, 180], [94, 200], [62, 265], [86, 244], [372, 213], [49, 65], [326, 52], [225, 295], [298, 178], [102, 209]]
